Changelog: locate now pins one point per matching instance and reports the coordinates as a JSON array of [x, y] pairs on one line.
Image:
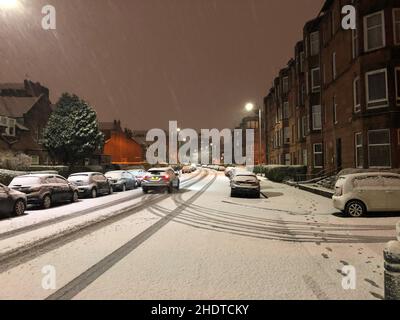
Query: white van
[[357, 194]]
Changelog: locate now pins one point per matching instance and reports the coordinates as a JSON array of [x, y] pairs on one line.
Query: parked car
[[228, 171], [187, 169], [161, 178], [11, 201], [45, 189], [139, 174], [245, 184], [357, 194], [91, 184], [121, 180]]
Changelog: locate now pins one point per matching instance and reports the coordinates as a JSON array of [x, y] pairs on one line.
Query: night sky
[[150, 61]]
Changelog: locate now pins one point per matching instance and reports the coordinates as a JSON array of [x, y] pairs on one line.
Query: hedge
[[280, 173]]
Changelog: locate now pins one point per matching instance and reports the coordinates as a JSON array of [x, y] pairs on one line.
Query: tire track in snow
[[81, 282]]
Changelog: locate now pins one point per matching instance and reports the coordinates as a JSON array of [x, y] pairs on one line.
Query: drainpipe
[[392, 268]]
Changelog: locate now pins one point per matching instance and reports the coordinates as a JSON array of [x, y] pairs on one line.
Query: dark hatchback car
[[12, 202], [161, 179], [45, 189], [121, 180], [91, 184], [245, 184]]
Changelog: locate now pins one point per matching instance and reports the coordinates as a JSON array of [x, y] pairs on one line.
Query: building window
[[398, 137], [304, 127], [315, 80], [35, 160], [287, 159], [396, 25], [314, 43], [305, 157], [355, 46], [334, 110], [379, 148], [333, 23], [318, 155], [10, 129], [397, 77], [285, 85], [316, 118], [359, 150], [286, 135], [356, 95], [286, 110], [377, 89], [334, 72], [302, 61], [374, 26]]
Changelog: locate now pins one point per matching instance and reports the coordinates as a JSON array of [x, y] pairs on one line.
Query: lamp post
[[249, 108]]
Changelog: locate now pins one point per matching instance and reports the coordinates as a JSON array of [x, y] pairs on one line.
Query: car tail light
[[166, 178], [146, 178]]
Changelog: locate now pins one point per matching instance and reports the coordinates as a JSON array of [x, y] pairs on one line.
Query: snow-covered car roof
[[369, 174]]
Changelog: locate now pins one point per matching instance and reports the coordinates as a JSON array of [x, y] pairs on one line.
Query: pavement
[[197, 244]]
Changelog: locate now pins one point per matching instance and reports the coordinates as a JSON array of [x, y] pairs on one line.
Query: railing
[[314, 178]]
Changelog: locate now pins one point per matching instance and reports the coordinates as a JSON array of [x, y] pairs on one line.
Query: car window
[[60, 180], [391, 181], [25, 181], [368, 181], [80, 178], [157, 172], [114, 175], [250, 179]]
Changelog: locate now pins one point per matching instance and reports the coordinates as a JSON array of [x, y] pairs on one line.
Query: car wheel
[[233, 194], [93, 194], [178, 186], [123, 188], [47, 202], [170, 188], [145, 191], [75, 197], [356, 209], [19, 208], [111, 191]]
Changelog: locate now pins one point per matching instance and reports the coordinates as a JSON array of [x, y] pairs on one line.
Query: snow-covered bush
[[14, 161]]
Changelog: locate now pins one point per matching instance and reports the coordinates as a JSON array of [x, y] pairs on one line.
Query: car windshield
[[80, 178], [25, 181], [157, 172], [114, 175]]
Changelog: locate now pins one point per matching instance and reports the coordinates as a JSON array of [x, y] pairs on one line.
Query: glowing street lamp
[[8, 4]]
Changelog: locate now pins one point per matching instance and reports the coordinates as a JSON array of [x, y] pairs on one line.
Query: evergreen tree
[[72, 133]]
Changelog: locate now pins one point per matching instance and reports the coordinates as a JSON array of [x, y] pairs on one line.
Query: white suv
[[357, 194]]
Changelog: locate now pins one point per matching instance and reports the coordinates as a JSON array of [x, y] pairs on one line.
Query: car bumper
[[148, 185], [339, 203], [246, 190], [84, 192]]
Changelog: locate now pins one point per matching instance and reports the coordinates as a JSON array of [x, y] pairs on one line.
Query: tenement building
[[336, 105]]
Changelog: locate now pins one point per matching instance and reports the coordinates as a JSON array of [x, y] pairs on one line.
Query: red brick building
[[25, 109], [343, 93], [122, 149]]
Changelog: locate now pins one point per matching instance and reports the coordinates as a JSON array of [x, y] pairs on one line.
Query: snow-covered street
[[198, 243]]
